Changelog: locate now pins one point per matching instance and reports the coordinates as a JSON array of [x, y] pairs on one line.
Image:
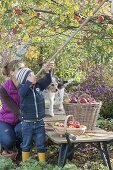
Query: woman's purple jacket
[[5, 114]]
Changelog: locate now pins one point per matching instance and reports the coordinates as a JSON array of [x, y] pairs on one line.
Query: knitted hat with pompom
[[22, 75]]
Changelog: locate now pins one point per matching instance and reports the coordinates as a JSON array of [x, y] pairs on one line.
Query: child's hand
[[32, 78], [49, 66]]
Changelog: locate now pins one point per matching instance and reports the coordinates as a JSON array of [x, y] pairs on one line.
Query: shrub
[[32, 164], [95, 166], [105, 124], [107, 109], [98, 85], [6, 163], [70, 166]]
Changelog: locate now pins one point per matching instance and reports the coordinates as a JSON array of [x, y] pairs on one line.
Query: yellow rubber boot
[[42, 157], [25, 156]]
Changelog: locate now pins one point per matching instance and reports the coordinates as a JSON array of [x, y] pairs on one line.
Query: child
[[32, 108]]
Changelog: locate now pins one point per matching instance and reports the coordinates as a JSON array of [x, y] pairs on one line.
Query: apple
[[71, 126], [67, 100], [83, 100], [70, 122], [77, 17], [57, 124], [85, 38], [88, 100], [92, 100], [18, 11], [76, 124], [38, 14], [61, 125], [100, 18], [14, 30], [73, 99]]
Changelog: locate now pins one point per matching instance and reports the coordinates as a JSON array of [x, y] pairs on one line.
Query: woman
[[9, 113]]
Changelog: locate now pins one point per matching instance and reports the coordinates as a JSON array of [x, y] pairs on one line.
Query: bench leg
[[70, 152], [62, 155], [105, 154], [0, 149]]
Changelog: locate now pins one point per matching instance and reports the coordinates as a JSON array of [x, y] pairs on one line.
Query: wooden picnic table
[[97, 138]]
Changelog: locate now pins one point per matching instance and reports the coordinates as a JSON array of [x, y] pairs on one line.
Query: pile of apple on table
[[75, 99], [70, 124]]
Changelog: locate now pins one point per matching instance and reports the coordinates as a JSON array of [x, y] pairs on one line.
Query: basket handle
[[78, 93], [65, 123]]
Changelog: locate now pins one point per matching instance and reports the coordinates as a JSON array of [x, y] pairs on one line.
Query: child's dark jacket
[[32, 104]]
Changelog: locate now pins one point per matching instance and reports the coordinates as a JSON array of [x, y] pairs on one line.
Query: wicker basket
[[85, 113], [74, 131]]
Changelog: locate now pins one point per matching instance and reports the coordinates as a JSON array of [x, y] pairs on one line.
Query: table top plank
[[58, 116], [97, 136]]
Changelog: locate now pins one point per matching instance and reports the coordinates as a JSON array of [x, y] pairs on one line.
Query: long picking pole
[[67, 41]]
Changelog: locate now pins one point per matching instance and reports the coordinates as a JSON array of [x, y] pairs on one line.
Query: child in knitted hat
[[32, 108]]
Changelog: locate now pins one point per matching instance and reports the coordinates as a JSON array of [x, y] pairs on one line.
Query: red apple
[[83, 100], [88, 100], [92, 100], [100, 18], [14, 30], [18, 11], [38, 14], [85, 38], [73, 99], [77, 17], [70, 123], [76, 124]]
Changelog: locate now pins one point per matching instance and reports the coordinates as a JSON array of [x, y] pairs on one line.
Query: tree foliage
[[33, 30]]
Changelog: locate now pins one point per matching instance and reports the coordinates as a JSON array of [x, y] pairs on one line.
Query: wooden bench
[[97, 138]]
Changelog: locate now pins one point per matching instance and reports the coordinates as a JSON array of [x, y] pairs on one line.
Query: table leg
[[70, 152], [62, 155], [0, 149], [105, 154]]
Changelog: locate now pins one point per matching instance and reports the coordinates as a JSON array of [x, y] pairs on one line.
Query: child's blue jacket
[[32, 103]]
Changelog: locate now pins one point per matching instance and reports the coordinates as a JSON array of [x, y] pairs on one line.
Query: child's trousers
[[34, 130]]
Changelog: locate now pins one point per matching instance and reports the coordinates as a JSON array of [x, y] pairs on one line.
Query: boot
[[42, 157], [25, 156], [10, 154]]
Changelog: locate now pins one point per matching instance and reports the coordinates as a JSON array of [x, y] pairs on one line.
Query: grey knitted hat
[[22, 75]]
